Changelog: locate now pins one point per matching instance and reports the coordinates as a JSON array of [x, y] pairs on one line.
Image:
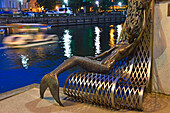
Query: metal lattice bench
[[124, 86], [104, 90]]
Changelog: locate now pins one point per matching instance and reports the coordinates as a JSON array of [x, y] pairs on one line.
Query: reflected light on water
[[97, 40], [40, 51], [24, 61], [37, 61], [112, 40], [67, 43], [119, 29]]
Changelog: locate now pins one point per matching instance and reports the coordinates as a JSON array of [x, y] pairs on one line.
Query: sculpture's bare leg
[[51, 80]]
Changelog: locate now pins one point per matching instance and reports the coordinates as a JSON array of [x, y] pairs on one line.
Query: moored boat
[[28, 27]]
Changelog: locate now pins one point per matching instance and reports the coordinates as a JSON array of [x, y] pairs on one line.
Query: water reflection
[[67, 38], [119, 29], [114, 33], [90, 40], [24, 61], [112, 40], [97, 40], [21, 67]]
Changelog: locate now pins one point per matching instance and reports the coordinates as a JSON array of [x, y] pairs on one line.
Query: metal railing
[[66, 20]]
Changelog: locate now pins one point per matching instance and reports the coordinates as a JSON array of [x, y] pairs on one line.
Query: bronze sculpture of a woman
[[134, 22]]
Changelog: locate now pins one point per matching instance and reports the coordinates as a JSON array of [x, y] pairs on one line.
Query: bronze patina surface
[[119, 79]]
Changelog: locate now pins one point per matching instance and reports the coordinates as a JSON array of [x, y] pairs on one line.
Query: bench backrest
[[137, 66]]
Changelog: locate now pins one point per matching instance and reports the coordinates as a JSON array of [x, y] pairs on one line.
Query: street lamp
[[66, 1], [56, 7], [97, 3], [120, 4], [42, 8]]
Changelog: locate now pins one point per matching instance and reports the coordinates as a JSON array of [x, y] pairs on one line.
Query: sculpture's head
[[139, 3]]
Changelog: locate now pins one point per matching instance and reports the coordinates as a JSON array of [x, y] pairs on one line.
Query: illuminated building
[[13, 5]]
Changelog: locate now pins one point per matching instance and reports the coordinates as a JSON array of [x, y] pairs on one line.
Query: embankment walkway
[[27, 100]]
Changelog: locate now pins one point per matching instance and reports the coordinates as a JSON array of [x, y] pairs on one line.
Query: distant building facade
[[14, 5]]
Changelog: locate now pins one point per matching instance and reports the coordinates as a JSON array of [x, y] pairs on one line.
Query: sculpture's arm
[[107, 52], [127, 49], [131, 46], [143, 28]]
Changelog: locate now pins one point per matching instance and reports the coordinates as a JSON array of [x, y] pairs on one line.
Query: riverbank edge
[[27, 99], [17, 91]]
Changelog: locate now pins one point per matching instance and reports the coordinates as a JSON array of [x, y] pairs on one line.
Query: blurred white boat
[[29, 40]]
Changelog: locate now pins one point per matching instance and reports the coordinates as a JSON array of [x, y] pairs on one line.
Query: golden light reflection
[[40, 51], [112, 40]]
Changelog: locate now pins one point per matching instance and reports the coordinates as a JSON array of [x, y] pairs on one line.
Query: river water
[[21, 67]]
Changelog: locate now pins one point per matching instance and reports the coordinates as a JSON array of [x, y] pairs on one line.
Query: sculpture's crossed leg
[[51, 79]]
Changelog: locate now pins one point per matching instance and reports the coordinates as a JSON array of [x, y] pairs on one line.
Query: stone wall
[[161, 67]]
